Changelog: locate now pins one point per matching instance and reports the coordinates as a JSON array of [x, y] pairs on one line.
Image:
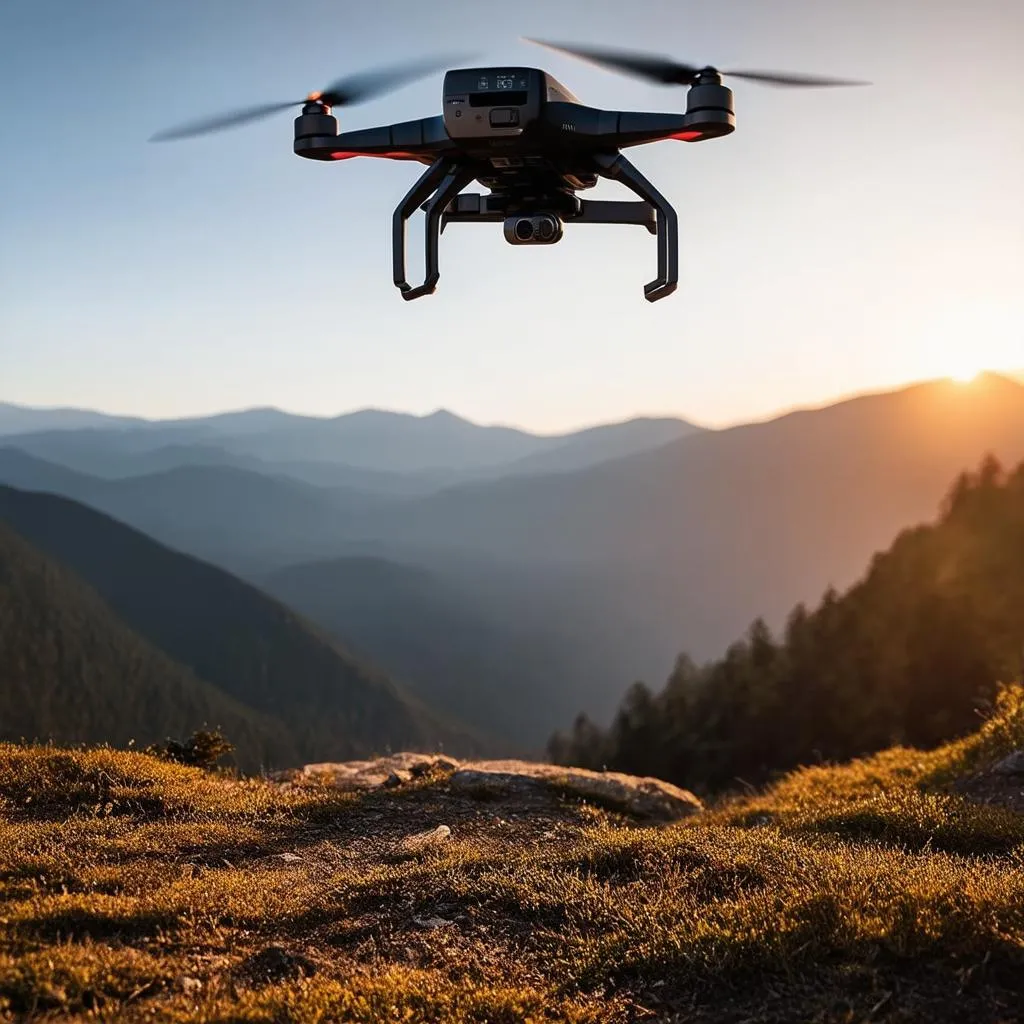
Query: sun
[[958, 360], [964, 374], [973, 337]]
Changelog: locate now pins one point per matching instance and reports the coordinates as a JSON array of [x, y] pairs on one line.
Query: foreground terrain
[[890, 889]]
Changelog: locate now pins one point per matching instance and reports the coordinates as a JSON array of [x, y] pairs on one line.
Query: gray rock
[[645, 797], [422, 842], [1012, 764]]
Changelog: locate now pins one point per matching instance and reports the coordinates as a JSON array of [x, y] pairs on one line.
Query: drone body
[[522, 135]]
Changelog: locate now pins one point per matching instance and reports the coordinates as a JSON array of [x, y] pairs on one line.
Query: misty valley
[[474, 589]]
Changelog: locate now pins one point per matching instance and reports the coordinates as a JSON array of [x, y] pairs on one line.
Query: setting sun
[[967, 340], [964, 374]]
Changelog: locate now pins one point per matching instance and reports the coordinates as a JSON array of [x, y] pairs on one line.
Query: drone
[[523, 136]]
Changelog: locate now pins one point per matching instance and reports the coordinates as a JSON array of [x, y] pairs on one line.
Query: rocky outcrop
[[644, 797], [641, 797], [381, 771]]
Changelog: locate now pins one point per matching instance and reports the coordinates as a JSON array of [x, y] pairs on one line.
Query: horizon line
[[1016, 376]]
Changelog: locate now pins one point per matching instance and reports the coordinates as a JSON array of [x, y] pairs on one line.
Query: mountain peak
[[444, 416]]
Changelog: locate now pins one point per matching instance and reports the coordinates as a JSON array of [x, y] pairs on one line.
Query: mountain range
[[373, 449], [712, 530], [561, 569]]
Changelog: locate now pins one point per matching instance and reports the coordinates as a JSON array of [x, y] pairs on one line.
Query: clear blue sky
[[839, 240]]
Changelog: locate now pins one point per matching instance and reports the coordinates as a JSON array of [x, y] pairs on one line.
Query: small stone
[[290, 858], [423, 841], [430, 923], [1012, 764]]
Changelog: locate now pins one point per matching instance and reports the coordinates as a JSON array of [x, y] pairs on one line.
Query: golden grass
[[135, 889]]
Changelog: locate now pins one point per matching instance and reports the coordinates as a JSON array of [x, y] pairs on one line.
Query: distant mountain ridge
[[438, 448], [21, 419]]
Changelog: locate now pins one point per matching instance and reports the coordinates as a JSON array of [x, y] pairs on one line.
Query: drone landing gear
[[445, 179], [437, 194], [618, 168]]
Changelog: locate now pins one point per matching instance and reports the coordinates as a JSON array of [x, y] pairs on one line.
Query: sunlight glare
[[971, 339]]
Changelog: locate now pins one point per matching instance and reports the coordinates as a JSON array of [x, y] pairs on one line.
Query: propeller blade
[[643, 65], [792, 78], [357, 88], [367, 85], [665, 71], [222, 121]]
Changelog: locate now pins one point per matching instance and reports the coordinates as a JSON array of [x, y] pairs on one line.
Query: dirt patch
[[1000, 785]]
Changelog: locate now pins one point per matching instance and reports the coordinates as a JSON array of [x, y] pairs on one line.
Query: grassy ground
[[131, 888]]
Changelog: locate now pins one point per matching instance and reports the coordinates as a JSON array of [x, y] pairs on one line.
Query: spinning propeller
[[666, 71], [352, 89]]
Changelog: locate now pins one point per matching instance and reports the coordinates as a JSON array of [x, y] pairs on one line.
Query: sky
[[838, 241]]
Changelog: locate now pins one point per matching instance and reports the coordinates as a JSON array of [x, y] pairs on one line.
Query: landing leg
[[455, 181], [618, 168], [419, 193], [443, 180]]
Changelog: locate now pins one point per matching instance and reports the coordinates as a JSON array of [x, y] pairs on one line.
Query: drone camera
[[542, 229]]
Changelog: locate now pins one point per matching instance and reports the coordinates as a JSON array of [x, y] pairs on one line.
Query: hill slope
[[234, 517], [601, 444], [72, 672], [906, 655], [875, 891], [117, 454], [702, 535], [231, 634], [431, 636]]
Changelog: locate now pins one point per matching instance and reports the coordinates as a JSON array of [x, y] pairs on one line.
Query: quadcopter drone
[[528, 140]]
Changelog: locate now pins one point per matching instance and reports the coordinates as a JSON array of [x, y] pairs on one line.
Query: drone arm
[[423, 139], [622, 128], [616, 167]]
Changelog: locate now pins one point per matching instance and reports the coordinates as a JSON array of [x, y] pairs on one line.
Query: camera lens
[[545, 228], [524, 229]]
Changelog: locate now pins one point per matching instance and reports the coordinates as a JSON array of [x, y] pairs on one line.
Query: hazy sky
[[839, 240]]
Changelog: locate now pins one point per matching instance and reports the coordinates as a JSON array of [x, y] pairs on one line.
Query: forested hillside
[[232, 635], [907, 655], [72, 672]]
